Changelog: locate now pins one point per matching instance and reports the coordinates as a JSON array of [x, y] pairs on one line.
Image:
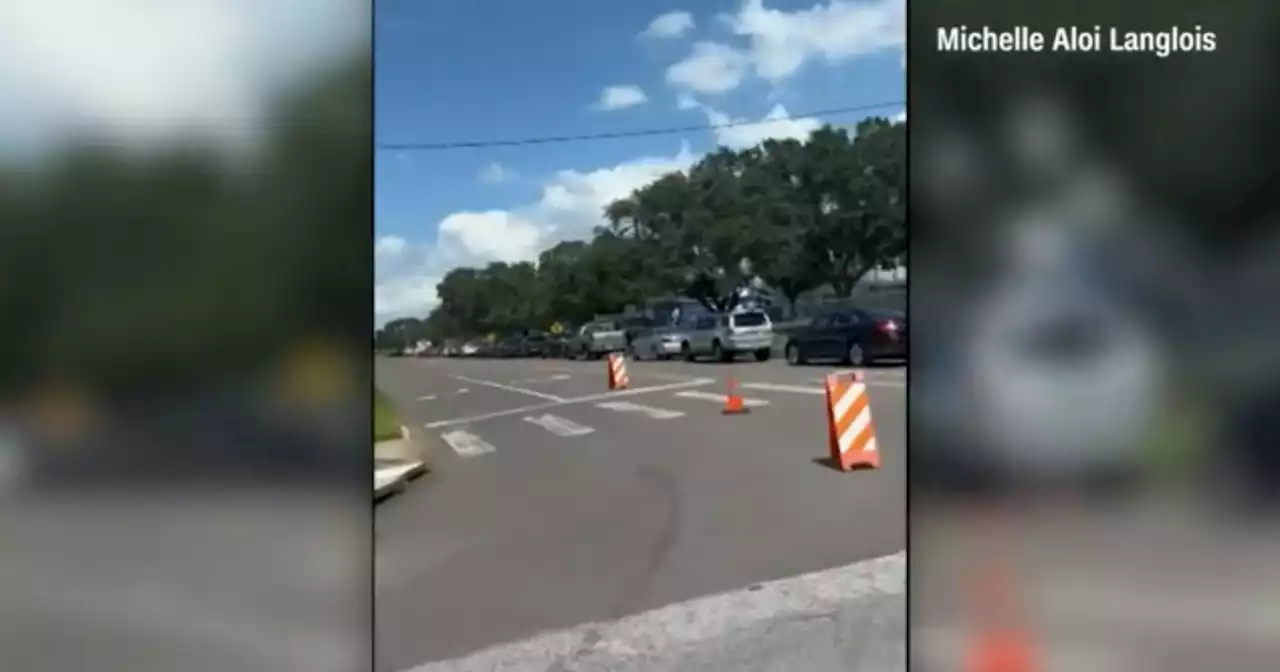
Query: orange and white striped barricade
[[617, 371], [851, 437]]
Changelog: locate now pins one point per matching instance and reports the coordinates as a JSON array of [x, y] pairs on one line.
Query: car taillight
[[888, 326]]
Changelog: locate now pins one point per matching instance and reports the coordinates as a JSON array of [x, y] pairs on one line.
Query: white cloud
[[136, 71], [778, 126], [388, 247], [621, 97], [901, 116], [570, 207], [494, 173], [686, 102], [710, 68], [779, 43], [670, 25]]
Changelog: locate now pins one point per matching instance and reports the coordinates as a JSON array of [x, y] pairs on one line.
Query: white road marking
[[793, 389], [712, 396], [567, 402], [467, 444], [558, 425], [429, 397], [463, 390], [510, 388], [628, 407], [545, 379], [697, 382], [891, 381]]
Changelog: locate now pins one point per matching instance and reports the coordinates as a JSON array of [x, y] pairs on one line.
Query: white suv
[[722, 337]]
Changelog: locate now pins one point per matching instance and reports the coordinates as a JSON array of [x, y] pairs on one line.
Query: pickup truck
[[597, 339]]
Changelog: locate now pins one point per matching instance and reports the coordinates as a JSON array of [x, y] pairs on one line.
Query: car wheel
[[762, 355], [717, 353], [794, 357], [686, 352], [855, 356]]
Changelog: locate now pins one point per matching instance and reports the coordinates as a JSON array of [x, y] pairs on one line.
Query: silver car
[[723, 337], [658, 343]]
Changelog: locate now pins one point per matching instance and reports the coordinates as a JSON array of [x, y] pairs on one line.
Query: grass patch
[[386, 425]]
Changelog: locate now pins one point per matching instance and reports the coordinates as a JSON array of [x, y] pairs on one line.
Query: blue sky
[[464, 70]]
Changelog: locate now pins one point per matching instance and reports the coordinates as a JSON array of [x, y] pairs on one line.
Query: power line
[[549, 140]]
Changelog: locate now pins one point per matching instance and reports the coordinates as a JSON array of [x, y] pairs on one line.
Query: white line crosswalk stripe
[[790, 389], [558, 425], [712, 396], [649, 411], [466, 444]]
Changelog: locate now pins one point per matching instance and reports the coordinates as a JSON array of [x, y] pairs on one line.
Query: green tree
[[854, 201], [563, 280], [698, 229], [791, 263]]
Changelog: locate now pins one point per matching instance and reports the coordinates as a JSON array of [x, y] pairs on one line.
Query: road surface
[[558, 503]]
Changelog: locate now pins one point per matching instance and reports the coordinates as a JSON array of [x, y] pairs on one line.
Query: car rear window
[[750, 320]]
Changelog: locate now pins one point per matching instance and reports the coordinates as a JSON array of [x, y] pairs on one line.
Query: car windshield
[[749, 320]]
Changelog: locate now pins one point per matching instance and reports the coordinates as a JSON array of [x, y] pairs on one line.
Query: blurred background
[[186, 301], [1095, 264]]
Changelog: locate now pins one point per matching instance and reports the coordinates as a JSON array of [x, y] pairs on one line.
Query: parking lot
[[557, 502]]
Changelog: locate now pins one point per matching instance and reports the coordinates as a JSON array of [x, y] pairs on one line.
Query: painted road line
[[873, 590], [544, 379], [429, 397], [558, 425], [510, 388], [467, 444], [568, 402], [871, 381], [712, 396], [792, 389], [628, 407]]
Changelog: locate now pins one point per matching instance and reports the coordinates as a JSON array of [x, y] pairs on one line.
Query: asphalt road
[[557, 503]]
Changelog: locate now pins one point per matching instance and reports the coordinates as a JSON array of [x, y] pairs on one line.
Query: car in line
[[855, 337], [722, 337], [597, 339], [538, 344], [510, 347], [657, 343]]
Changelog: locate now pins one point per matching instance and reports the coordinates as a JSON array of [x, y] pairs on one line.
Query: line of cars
[[855, 336]]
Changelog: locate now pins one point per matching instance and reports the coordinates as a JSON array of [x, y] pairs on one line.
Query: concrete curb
[[848, 618], [407, 449]]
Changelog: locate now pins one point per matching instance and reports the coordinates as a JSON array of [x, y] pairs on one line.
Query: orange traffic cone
[[851, 438], [1000, 651], [733, 402], [616, 365], [998, 646]]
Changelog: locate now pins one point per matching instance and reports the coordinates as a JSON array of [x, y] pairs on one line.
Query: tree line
[[797, 215], [124, 266]]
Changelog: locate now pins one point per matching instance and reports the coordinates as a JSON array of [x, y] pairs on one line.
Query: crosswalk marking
[[628, 407], [793, 389], [467, 444], [712, 396], [558, 426], [544, 379]]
